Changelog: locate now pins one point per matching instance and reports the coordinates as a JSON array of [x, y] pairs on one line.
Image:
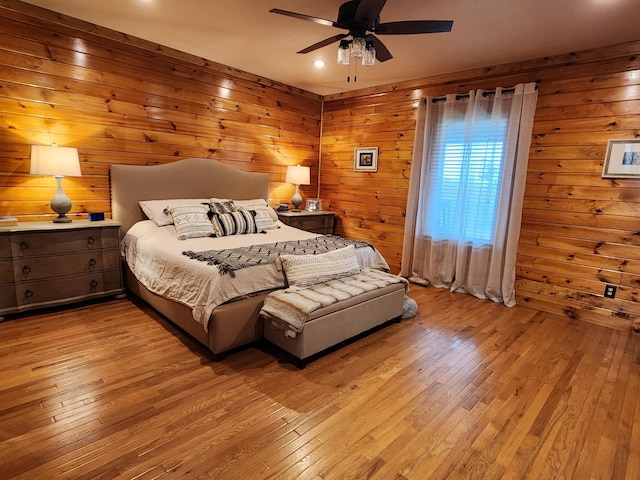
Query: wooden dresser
[[316, 222], [45, 264]]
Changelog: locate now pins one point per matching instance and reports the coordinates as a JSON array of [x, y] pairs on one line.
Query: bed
[[219, 310]]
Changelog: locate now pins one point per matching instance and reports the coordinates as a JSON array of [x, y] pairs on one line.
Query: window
[[464, 180], [468, 175]]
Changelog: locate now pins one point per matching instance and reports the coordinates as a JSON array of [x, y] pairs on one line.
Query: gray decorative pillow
[[263, 219], [307, 270], [256, 204], [192, 221], [239, 222], [221, 207]]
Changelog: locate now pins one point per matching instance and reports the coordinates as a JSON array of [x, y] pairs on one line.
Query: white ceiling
[[243, 34]]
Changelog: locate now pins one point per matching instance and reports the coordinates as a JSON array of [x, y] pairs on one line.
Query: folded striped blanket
[[230, 260], [289, 309]]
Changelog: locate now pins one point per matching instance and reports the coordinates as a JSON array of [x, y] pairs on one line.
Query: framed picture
[[622, 159], [366, 159]]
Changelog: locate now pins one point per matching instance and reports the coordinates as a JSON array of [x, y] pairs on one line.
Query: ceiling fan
[[362, 20]]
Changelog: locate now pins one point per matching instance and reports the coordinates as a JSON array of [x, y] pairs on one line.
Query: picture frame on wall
[[366, 159], [622, 159]]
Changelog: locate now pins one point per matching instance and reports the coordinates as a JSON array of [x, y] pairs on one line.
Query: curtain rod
[[466, 95]]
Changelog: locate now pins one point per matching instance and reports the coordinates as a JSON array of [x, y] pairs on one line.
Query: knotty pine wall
[[579, 231], [122, 100]]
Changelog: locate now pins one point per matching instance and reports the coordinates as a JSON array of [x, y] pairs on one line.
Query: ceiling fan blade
[[368, 11], [324, 43], [302, 16], [414, 26], [382, 53]]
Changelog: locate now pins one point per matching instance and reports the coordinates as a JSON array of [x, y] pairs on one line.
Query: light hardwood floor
[[467, 389]]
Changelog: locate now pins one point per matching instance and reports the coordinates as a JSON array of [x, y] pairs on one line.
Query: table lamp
[[59, 162], [297, 175]]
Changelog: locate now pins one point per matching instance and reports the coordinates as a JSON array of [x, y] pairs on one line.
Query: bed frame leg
[[218, 357]]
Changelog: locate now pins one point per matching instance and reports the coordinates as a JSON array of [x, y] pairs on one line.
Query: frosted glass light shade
[[344, 54], [369, 57], [357, 47]]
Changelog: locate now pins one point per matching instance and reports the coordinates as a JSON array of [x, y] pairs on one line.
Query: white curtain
[[466, 188]]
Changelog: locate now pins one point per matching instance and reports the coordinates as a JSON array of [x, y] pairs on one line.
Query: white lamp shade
[[298, 175], [50, 160]]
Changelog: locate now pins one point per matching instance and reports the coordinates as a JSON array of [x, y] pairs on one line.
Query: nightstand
[[316, 222], [44, 264]]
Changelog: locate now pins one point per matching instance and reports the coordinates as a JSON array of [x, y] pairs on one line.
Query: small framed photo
[[366, 159], [622, 159]]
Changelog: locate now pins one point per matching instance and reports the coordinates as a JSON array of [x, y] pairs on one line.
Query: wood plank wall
[[579, 231], [120, 99], [123, 100]]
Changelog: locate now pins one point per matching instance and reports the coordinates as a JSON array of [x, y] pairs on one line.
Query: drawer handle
[[92, 262], [26, 269], [28, 294], [91, 241], [24, 245], [94, 283]]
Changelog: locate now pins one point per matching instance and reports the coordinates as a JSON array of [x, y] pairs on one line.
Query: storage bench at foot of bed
[[331, 326]]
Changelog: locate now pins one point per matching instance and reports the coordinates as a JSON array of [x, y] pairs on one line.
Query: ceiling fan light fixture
[[369, 57], [358, 47], [343, 53], [361, 20]]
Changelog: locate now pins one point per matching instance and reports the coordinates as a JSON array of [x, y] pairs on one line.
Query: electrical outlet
[[610, 291]]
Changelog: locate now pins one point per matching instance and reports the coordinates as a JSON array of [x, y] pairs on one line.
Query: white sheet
[[154, 256]]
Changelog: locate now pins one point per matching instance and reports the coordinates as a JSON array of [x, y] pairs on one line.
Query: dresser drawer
[[110, 238], [5, 246], [84, 286], [310, 223], [317, 222], [48, 243], [36, 268], [6, 272], [7, 296]]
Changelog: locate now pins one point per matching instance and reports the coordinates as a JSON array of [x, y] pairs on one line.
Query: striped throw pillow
[[239, 222]]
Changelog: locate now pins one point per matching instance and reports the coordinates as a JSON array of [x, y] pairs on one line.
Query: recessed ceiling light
[[319, 63]]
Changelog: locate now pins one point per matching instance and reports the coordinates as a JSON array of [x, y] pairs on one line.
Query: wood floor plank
[[466, 389]]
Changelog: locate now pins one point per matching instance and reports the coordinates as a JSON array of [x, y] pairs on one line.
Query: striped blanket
[[289, 309], [230, 260]]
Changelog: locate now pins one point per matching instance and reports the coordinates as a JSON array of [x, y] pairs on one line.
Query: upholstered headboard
[[189, 178]]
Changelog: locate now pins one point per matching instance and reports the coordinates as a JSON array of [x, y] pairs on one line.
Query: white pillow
[[307, 270], [256, 204], [158, 211], [192, 221]]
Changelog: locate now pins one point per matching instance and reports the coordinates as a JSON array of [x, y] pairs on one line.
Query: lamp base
[[60, 203], [296, 200]]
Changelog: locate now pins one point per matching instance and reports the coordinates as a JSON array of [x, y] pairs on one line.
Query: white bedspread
[[154, 256]]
